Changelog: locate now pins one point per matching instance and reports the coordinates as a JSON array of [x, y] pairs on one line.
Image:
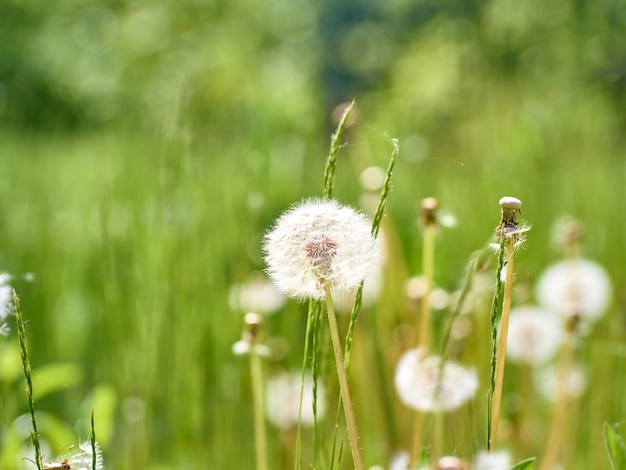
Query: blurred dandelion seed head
[[534, 335], [319, 242], [6, 302], [579, 287], [78, 459], [423, 384], [256, 294], [547, 382], [493, 461], [282, 399]]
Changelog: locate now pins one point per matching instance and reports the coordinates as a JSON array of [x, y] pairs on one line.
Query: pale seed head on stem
[[429, 208], [318, 243], [250, 339], [511, 208]]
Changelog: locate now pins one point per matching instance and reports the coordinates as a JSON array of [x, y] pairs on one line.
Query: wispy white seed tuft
[[319, 242], [534, 335], [78, 459], [423, 384], [575, 287], [6, 305]]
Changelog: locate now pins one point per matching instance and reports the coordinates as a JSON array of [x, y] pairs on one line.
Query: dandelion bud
[[250, 339], [318, 243], [429, 208], [511, 207], [253, 323]]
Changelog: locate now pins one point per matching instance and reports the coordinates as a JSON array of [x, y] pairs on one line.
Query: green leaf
[[615, 447], [527, 464]]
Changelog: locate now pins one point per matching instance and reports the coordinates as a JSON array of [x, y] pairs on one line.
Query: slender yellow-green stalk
[[416, 441], [429, 221], [343, 383], [253, 323], [566, 364], [504, 331], [429, 208], [94, 452], [28, 373], [510, 235]]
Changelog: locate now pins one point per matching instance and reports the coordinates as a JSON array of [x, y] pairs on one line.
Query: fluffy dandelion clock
[[578, 286], [318, 243], [423, 384], [534, 335]]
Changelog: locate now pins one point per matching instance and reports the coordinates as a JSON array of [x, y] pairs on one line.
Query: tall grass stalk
[[21, 334], [343, 382], [509, 236], [376, 222], [380, 209], [94, 455], [504, 331], [335, 145]]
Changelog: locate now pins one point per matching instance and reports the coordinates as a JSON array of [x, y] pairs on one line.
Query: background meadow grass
[[146, 148]]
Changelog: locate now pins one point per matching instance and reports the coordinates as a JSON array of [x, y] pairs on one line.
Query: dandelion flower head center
[[320, 250]]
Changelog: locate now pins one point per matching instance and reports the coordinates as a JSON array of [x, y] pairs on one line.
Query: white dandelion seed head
[[80, 458], [450, 462], [318, 242], [547, 382], [424, 385], [400, 461], [534, 336], [372, 284], [256, 294], [579, 287], [282, 399], [493, 461], [6, 305]]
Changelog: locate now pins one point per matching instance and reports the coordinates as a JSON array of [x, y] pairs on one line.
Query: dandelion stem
[[504, 329], [21, 334], [555, 437], [416, 442], [429, 217], [310, 320], [343, 382], [256, 373], [428, 264]]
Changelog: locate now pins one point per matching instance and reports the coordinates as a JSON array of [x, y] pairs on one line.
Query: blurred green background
[[145, 147]]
